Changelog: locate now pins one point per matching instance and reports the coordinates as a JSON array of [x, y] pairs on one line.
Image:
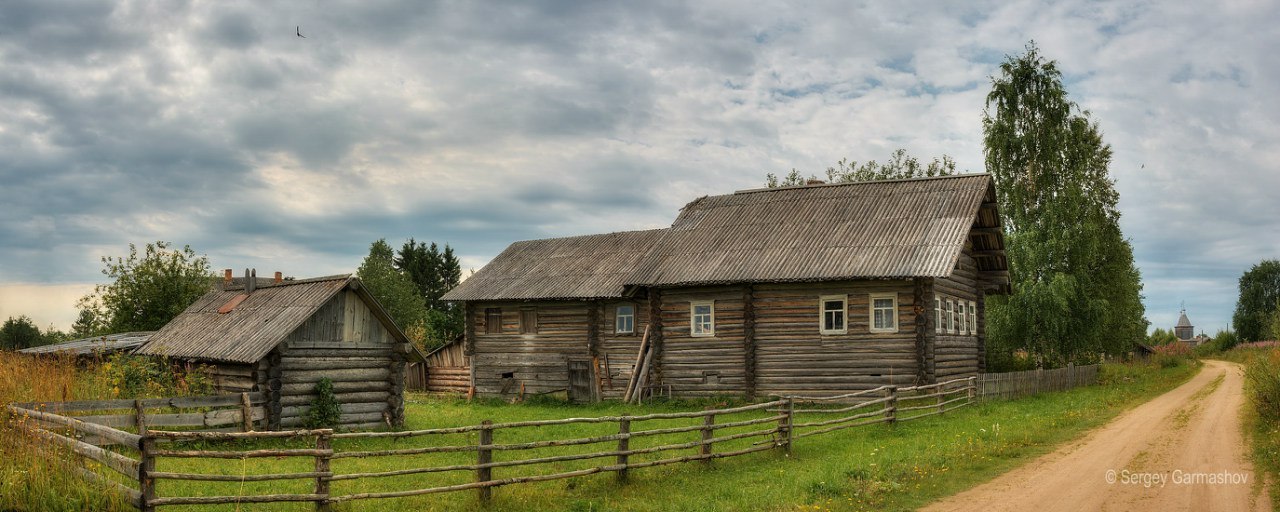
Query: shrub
[[1171, 355], [130, 376], [324, 411], [1262, 380]]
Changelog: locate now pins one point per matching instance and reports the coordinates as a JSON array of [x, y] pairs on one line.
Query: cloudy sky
[[213, 124]]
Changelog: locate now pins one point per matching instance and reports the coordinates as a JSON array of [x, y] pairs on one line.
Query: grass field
[[870, 468]]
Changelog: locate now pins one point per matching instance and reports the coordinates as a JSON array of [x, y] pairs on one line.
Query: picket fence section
[[1026, 383]]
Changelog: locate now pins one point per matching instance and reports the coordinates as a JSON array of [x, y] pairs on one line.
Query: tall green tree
[[393, 289], [147, 290], [434, 272], [1259, 303], [899, 166], [19, 333], [1077, 293]]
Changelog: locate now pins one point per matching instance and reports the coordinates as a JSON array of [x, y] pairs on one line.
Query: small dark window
[[529, 321], [493, 320]]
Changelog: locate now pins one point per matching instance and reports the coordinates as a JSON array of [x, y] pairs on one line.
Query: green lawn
[[869, 468]]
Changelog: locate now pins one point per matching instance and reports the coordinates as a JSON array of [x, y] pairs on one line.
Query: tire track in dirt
[[1183, 450]]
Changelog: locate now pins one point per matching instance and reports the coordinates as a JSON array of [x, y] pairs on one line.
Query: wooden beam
[[749, 339]]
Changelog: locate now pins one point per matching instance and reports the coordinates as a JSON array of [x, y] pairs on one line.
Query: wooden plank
[[112, 434], [114, 461]]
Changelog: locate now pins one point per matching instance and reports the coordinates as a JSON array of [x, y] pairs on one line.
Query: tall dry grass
[[36, 475]]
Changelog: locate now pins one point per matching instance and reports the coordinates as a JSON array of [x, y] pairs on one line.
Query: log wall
[[448, 370], [505, 361], [955, 356], [234, 378], [703, 366], [367, 380], [618, 350], [792, 357]]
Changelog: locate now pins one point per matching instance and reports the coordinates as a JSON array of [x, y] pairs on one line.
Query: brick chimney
[[226, 277], [279, 277]]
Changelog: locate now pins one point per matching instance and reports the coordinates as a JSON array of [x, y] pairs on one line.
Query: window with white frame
[[624, 319], [702, 318], [964, 318], [973, 318], [884, 312], [835, 311], [937, 314], [949, 316]]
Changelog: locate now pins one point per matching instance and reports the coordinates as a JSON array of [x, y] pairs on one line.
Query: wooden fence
[[1030, 382], [629, 442], [90, 436]]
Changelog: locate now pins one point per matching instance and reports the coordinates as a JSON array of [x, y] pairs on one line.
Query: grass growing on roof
[[869, 468]]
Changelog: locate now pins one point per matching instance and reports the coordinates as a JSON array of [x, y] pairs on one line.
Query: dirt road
[[1183, 450]]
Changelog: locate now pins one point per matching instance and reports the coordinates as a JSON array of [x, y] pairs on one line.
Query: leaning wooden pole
[[635, 371]]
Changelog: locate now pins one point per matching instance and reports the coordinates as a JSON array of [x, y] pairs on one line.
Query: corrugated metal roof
[[94, 345], [877, 229], [256, 325], [580, 267]]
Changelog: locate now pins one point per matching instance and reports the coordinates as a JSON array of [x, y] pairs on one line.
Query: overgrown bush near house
[[129, 376], [324, 411]]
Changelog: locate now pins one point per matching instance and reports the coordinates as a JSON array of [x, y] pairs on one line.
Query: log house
[[813, 289]]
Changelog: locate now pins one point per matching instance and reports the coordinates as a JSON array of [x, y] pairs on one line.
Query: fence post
[[246, 413], [624, 445], [785, 423], [322, 466], [938, 390], [891, 406], [973, 388], [484, 456], [708, 432], [147, 461]]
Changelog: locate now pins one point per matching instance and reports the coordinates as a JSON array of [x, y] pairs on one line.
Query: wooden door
[[581, 381]]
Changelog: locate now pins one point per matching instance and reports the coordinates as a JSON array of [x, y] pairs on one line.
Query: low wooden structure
[[93, 346], [814, 289], [281, 337], [447, 369]]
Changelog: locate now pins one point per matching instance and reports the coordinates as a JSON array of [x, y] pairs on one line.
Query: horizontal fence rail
[[621, 444]]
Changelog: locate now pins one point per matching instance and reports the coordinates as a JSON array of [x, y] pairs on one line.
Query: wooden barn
[[281, 337], [814, 289]]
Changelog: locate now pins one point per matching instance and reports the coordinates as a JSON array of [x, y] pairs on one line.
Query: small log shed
[[281, 337]]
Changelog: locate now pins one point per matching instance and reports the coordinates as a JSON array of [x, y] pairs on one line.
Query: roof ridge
[[589, 235], [850, 183], [267, 282]]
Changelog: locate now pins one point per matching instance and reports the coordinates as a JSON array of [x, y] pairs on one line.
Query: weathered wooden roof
[[1183, 321], [105, 344], [873, 229], [579, 267], [877, 229], [257, 324]]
